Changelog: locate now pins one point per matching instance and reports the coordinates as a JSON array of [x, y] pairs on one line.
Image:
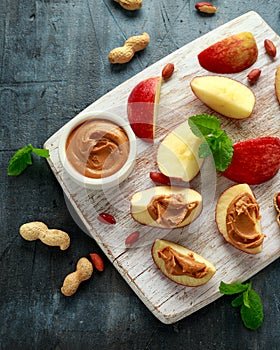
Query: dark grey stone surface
[[53, 63]]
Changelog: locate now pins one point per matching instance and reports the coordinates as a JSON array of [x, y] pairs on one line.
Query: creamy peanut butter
[[97, 148], [178, 264], [242, 216], [170, 210]]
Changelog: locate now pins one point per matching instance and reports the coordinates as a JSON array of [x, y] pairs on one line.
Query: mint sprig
[[216, 141], [23, 158], [250, 302]]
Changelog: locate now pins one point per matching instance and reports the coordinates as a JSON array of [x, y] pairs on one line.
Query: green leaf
[[252, 317], [233, 288], [41, 152], [204, 150], [238, 301], [245, 297], [208, 126], [223, 153], [203, 124], [20, 160]]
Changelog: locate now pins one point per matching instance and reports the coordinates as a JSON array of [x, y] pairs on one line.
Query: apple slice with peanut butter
[[181, 264], [238, 218]]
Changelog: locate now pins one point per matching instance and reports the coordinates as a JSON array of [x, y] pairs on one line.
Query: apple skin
[[221, 209], [140, 200], [230, 55], [142, 107], [224, 95], [277, 83], [183, 279], [177, 154]]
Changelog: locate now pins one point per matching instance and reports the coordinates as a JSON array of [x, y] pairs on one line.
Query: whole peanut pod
[[125, 53], [38, 230], [72, 281]]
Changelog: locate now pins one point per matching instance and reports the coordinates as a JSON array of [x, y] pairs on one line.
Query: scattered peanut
[[38, 230], [270, 48], [72, 281], [205, 7], [130, 4], [254, 75], [125, 53], [167, 71]]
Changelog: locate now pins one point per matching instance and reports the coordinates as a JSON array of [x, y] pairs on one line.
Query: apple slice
[[254, 161], [177, 155], [142, 107], [180, 264], [166, 206], [277, 83], [238, 218], [224, 95], [230, 55]]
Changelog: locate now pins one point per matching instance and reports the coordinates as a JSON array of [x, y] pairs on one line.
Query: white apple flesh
[[177, 155], [142, 108], [221, 212], [185, 280], [139, 204], [224, 95], [277, 83]]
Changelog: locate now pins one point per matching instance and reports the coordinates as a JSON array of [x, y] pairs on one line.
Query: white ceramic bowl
[[105, 182]]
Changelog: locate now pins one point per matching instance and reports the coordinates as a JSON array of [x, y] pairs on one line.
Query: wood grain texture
[[166, 300]]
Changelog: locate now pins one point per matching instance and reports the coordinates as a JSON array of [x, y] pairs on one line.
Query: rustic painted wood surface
[[168, 301], [53, 64]]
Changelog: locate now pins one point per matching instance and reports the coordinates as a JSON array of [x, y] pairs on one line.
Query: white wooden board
[[166, 300]]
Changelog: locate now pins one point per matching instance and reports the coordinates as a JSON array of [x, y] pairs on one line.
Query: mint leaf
[[20, 160], [204, 150], [251, 306], [252, 317], [220, 145], [23, 157], [41, 152], [223, 152], [245, 297], [233, 288], [238, 301], [203, 124]]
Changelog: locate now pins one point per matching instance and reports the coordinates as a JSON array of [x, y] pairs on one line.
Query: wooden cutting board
[[168, 301]]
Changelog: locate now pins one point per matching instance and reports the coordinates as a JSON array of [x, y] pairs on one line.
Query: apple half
[[277, 83], [166, 206], [181, 264], [177, 154], [224, 95], [142, 107], [230, 55], [246, 234]]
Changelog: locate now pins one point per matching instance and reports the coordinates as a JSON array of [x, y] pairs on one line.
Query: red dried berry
[[97, 261], [160, 178], [106, 218], [132, 238]]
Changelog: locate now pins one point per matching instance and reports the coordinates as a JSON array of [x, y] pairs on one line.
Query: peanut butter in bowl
[[98, 149]]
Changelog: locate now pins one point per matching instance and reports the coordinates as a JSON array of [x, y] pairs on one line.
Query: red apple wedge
[[238, 219], [224, 95], [181, 264], [230, 55], [166, 206], [177, 155], [142, 107]]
